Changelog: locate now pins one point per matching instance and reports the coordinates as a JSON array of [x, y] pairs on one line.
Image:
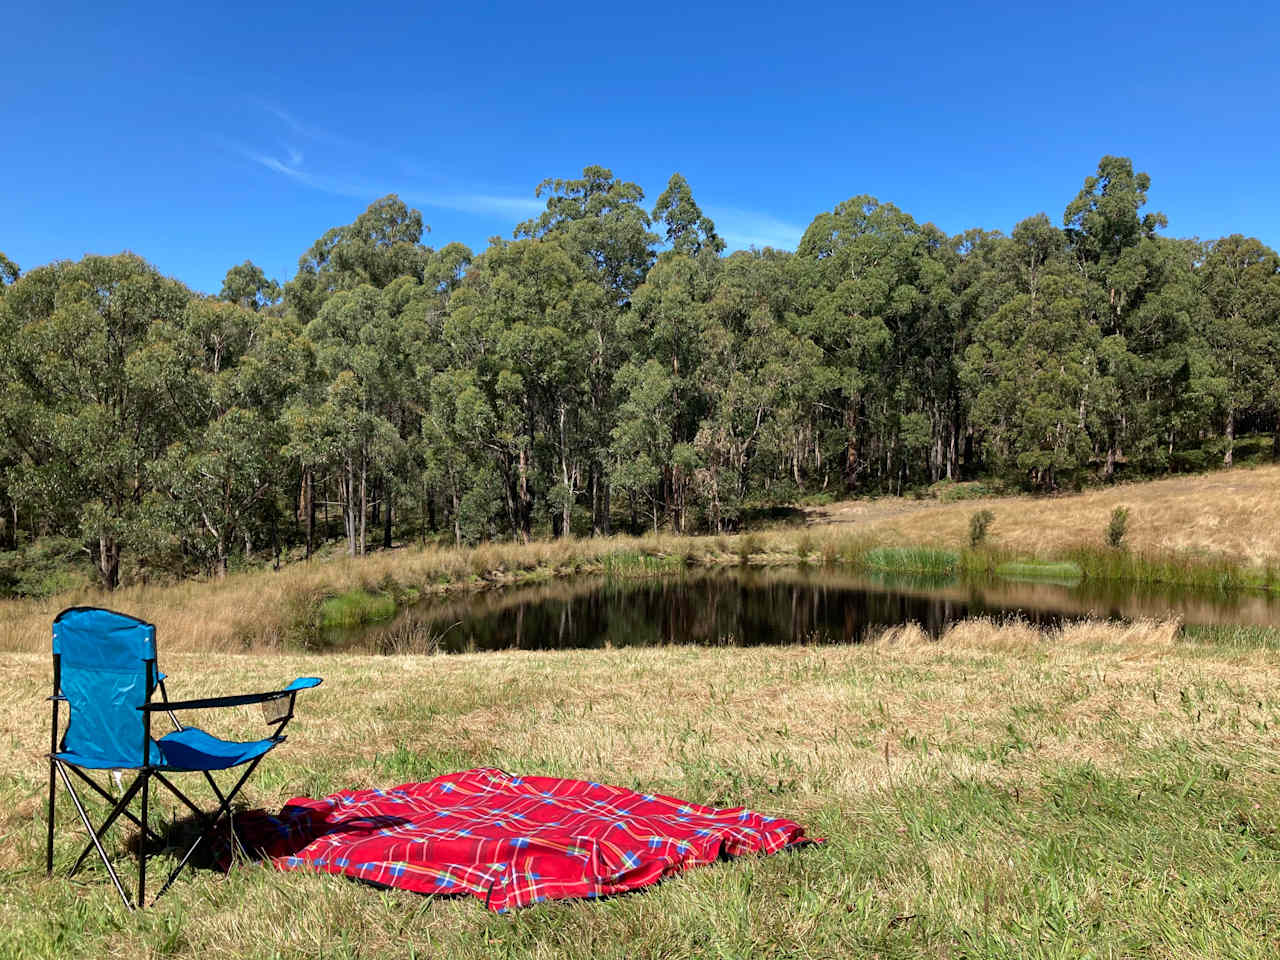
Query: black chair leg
[[93, 837], [116, 811], [142, 844], [223, 808], [53, 794]]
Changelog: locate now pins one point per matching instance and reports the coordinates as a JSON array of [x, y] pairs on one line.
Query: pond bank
[[286, 608]]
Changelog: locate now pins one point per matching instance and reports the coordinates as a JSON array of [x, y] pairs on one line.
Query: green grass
[[926, 560], [1236, 636], [1000, 793], [356, 608], [1040, 570], [1205, 571], [639, 563]]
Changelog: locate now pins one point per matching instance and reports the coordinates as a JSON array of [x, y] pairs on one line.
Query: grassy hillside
[[1231, 513], [1102, 791]]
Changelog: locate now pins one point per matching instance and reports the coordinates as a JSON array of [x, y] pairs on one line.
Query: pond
[[772, 606]]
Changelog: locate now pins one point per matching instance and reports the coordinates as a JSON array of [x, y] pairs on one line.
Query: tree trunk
[[566, 478], [348, 485], [309, 492], [109, 562], [1231, 438], [386, 517], [524, 514], [364, 504]]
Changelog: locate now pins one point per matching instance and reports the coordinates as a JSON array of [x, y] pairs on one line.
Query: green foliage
[[1117, 527], [44, 568], [949, 491], [979, 522]]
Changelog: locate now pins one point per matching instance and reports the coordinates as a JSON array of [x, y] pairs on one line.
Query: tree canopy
[[612, 366]]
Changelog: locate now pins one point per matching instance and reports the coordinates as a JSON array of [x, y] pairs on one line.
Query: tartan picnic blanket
[[510, 841]]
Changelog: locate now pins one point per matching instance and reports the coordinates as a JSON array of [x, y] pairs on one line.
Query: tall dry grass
[[1231, 513]]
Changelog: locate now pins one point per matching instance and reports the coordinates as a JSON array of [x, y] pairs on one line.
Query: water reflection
[[750, 607]]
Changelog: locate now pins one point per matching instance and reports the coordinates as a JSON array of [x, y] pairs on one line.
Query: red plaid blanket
[[511, 841]]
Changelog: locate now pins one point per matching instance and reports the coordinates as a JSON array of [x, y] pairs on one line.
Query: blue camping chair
[[104, 669]]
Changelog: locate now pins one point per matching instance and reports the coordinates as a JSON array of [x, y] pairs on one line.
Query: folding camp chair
[[104, 669]]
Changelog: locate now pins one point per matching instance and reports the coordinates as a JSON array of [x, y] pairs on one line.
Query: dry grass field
[[1101, 791], [1232, 513]]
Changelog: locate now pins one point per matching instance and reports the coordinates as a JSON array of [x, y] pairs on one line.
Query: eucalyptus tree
[[1140, 289], [383, 243], [379, 247], [1040, 369], [762, 382], [689, 231], [524, 320], [82, 405], [599, 220], [247, 285], [349, 425], [1240, 326], [664, 327], [877, 289], [9, 271], [227, 373]]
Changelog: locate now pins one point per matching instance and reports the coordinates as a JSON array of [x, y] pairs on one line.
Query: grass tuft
[[912, 560], [356, 608]]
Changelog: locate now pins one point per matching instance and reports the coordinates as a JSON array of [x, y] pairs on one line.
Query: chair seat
[[193, 749], [187, 749]]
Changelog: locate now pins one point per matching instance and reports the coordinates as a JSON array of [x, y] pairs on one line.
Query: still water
[[749, 607]]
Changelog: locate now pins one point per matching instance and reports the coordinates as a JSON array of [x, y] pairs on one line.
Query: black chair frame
[[146, 771]]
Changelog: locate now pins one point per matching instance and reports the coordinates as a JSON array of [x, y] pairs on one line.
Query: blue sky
[[201, 136]]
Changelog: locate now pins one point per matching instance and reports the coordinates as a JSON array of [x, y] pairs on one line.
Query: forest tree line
[[611, 367]]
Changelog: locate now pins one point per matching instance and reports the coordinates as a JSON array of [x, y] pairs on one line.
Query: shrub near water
[[979, 523], [1117, 527]]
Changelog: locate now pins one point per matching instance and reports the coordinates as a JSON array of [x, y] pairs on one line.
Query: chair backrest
[[102, 670]]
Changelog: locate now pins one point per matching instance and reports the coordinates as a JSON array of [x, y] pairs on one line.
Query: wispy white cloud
[[487, 203], [291, 162], [751, 228]]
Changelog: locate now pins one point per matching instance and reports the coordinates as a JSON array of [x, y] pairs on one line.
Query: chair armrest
[[237, 700]]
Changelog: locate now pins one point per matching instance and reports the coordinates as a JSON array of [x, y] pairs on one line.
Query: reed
[[926, 560]]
